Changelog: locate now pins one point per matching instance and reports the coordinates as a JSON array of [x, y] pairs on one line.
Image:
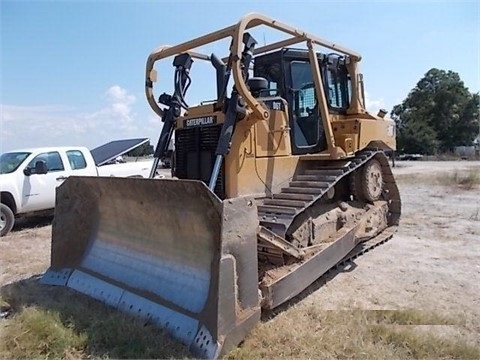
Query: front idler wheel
[[371, 181]]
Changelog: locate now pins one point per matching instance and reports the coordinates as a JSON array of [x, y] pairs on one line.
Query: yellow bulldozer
[[279, 178]]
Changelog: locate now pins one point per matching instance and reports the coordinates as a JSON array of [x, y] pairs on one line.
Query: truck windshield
[[9, 162]]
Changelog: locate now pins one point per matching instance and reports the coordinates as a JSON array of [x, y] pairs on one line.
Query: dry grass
[[54, 323], [354, 334], [467, 179], [57, 323], [36, 333]]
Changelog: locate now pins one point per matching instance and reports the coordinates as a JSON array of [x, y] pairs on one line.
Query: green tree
[[437, 115]]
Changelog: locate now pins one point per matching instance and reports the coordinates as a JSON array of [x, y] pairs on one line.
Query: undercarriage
[[323, 215]]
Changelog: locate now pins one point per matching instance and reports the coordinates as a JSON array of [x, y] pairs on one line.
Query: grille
[[195, 155]]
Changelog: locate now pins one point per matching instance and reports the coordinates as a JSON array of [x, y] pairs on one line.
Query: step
[[329, 166], [321, 174], [330, 172], [321, 178], [294, 196], [302, 190], [276, 209], [310, 184], [285, 202]]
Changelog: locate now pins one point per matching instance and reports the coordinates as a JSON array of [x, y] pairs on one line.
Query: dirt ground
[[432, 262]]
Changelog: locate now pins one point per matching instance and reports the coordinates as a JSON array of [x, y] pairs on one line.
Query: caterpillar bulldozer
[[279, 178]]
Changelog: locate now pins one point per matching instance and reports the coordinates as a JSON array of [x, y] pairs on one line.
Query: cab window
[[338, 87], [52, 159], [76, 159], [9, 162]]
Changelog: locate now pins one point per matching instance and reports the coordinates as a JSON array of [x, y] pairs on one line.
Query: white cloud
[[155, 120], [55, 125], [116, 94], [373, 105], [119, 109]]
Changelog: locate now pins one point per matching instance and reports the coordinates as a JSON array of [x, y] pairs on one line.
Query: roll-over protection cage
[[236, 33]]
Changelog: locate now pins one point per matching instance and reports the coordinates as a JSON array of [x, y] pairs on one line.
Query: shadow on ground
[[32, 222]]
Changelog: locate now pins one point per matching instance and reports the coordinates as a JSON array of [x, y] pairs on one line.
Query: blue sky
[[72, 72]]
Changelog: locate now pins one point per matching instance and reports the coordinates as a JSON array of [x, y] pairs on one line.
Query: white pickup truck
[[29, 177]]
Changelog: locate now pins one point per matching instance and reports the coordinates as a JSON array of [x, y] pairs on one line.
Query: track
[[279, 212], [366, 246], [287, 267]]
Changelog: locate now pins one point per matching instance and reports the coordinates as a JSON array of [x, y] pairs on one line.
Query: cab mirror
[[41, 167]]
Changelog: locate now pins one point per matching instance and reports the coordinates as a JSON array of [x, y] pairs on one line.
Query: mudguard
[[167, 250]]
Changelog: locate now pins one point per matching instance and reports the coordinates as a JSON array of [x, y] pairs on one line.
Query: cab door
[[39, 189], [307, 133]]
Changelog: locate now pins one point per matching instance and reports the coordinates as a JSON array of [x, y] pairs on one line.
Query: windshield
[[9, 162]]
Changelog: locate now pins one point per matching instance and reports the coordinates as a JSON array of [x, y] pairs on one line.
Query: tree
[[437, 115]]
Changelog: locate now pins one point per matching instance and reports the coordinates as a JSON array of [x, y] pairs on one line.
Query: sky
[[73, 72]]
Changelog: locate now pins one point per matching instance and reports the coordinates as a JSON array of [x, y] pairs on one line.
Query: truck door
[[39, 189]]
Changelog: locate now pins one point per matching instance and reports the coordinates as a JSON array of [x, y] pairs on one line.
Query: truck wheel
[[7, 219]]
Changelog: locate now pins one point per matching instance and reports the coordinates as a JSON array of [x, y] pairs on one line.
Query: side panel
[[273, 136], [380, 132], [346, 135], [356, 134], [248, 175]]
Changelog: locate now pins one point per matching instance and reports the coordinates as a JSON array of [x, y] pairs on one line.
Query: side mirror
[[41, 167], [27, 171]]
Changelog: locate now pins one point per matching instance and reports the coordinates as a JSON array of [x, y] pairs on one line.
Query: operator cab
[[288, 75]]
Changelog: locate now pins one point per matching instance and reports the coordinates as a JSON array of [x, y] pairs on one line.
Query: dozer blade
[[167, 250]]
